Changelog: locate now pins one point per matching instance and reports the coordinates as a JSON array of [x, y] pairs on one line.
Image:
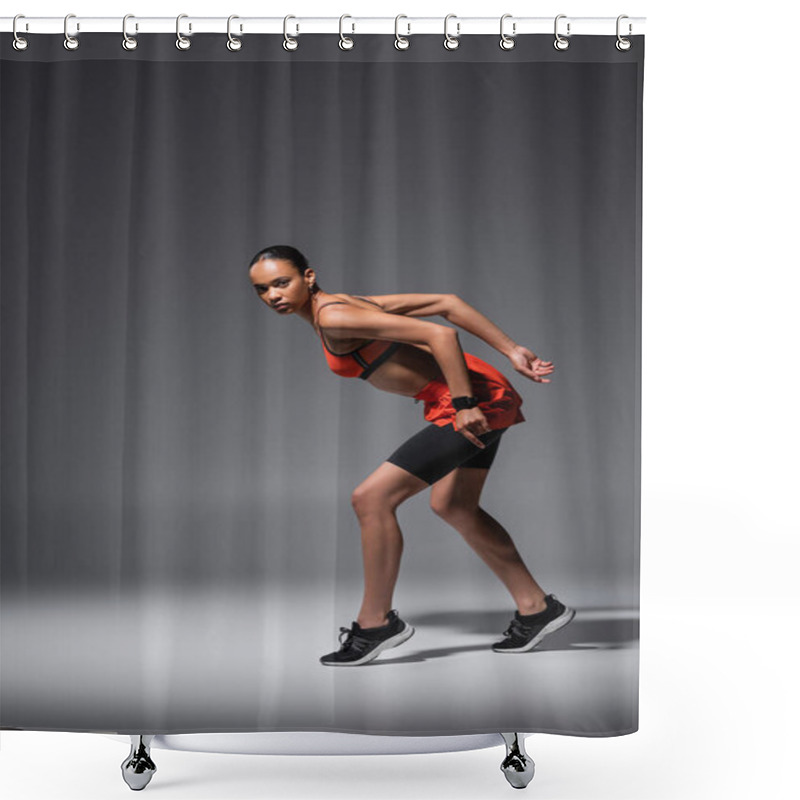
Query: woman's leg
[[455, 499], [417, 464], [375, 501]]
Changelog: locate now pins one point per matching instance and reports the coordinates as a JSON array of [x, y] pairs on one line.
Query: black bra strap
[[379, 360]]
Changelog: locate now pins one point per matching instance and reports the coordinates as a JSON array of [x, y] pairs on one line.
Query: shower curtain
[[179, 540]]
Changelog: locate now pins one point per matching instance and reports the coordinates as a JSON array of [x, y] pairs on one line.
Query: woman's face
[[279, 284]]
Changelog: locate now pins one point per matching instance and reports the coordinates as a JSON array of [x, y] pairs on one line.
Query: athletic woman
[[468, 405]]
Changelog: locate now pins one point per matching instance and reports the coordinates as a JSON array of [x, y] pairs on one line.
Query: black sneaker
[[525, 632], [364, 644]]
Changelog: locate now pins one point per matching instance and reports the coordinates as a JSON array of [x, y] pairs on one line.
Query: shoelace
[[516, 628], [352, 639]]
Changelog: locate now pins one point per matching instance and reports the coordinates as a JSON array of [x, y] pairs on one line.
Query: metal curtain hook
[[507, 42], [560, 42], [128, 42], [288, 42], [622, 43], [345, 42], [400, 42], [233, 44], [182, 43], [20, 43], [450, 41], [70, 42]]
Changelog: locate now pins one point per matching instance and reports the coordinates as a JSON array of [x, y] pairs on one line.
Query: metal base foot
[[138, 768], [517, 766]]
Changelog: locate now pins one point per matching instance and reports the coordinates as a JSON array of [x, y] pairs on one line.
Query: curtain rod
[[348, 25]]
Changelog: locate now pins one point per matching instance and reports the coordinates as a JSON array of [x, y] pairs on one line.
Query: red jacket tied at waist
[[497, 398]]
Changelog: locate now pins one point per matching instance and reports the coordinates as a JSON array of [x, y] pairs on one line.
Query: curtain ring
[[623, 44], [451, 42], [288, 42], [182, 43], [561, 43], [345, 42], [128, 42], [70, 42], [507, 42], [20, 43], [400, 42], [233, 44]]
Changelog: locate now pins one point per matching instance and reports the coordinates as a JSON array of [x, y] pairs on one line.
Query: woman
[[468, 405]]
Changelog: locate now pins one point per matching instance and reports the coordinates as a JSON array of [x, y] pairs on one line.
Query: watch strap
[[466, 401]]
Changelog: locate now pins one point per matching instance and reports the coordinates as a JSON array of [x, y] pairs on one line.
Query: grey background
[[165, 436]]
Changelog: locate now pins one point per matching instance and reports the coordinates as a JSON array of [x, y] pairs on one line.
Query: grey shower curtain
[[179, 545]]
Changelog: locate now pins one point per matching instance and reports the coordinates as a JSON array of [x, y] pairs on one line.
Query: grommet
[[19, 43], [182, 43], [451, 42], [345, 42], [560, 42], [233, 44], [70, 42], [622, 44], [288, 42], [400, 42], [507, 42], [128, 42]]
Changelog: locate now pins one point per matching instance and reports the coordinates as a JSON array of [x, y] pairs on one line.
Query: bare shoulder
[[340, 309]]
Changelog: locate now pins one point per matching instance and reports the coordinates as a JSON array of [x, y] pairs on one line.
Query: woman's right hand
[[529, 364], [472, 423]]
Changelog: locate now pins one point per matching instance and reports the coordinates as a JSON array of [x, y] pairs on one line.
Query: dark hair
[[283, 251]]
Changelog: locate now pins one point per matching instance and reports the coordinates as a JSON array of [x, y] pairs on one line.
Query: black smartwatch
[[460, 403]]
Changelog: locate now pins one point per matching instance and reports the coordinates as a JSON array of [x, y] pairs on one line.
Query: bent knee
[[367, 499], [450, 509]]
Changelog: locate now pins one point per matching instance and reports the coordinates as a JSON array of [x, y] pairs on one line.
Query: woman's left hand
[[530, 365], [471, 422]]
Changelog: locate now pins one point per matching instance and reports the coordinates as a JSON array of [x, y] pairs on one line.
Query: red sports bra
[[364, 360]]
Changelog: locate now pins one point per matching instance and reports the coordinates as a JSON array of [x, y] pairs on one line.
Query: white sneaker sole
[[551, 627], [397, 639]]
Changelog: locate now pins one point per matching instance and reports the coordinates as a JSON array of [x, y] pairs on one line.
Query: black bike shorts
[[436, 450]]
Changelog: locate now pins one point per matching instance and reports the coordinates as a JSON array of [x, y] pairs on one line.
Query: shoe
[[523, 635], [365, 644]]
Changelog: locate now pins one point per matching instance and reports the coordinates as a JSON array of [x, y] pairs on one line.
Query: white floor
[[715, 721], [196, 660]]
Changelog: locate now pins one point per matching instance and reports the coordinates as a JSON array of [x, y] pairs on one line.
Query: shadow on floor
[[593, 632]]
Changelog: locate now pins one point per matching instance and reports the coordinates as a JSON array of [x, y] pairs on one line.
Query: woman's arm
[[453, 309], [524, 361], [349, 321], [412, 305], [352, 321], [461, 313]]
